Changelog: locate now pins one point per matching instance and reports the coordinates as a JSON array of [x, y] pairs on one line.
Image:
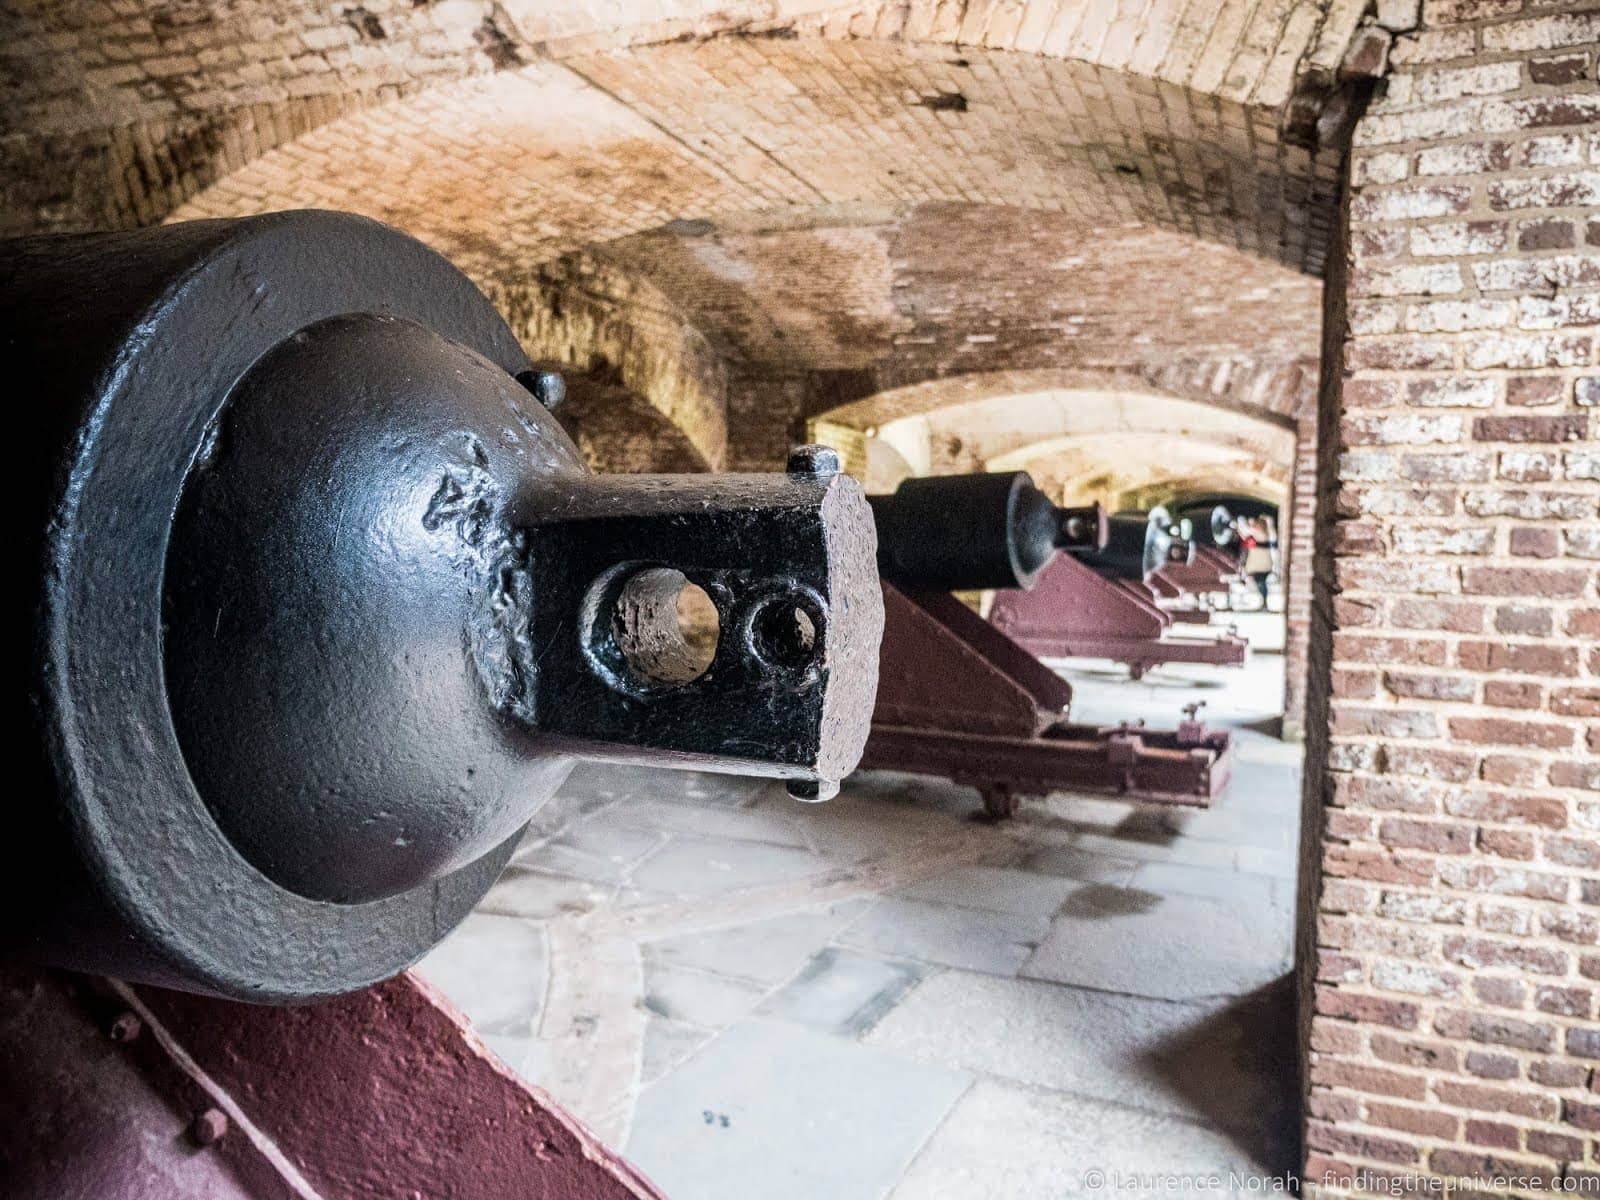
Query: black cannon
[[321, 604], [1193, 588], [1137, 545], [970, 532], [1108, 603], [957, 697]]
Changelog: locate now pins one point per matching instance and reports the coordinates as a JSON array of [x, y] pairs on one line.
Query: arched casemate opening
[[618, 432], [1090, 435], [1084, 438], [1081, 443]]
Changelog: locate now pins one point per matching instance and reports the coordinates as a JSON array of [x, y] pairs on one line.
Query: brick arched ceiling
[[511, 169], [1106, 467], [946, 288], [619, 432], [740, 329], [841, 202], [1084, 444], [117, 114]]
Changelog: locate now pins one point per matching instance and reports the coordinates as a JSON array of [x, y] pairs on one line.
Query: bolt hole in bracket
[[786, 632], [651, 628], [779, 561]]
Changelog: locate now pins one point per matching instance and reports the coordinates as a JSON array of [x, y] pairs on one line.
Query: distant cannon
[[971, 532], [959, 698], [1140, 544], [1206, 578], [1103, 603]]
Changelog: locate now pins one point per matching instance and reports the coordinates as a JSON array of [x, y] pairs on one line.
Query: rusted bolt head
[[547, 387], [813, 460], [125, 1028], [208, 1127]]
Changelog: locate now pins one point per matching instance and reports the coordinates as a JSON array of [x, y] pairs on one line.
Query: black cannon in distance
[[971, 532], [1193, 590], [322, 605], [1107, 603], [1174, 560], [957, 697], [1139, 544]]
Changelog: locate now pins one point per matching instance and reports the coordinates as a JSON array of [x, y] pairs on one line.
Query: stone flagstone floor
[[884, 997]]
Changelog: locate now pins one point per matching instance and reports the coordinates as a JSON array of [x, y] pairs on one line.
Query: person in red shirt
[[1256, 554]]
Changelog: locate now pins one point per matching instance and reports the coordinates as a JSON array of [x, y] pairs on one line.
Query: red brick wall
[[1296, 525], [1454, 782]]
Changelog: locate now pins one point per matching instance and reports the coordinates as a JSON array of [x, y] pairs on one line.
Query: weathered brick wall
[[126, 109], [617, 329], [1296, 526], [618, 432], [1458, 820]]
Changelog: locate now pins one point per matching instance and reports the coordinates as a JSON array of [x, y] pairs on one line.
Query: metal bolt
[[813, 791], [547, 387], [208, 1127], [125, 1028], [821, 461]]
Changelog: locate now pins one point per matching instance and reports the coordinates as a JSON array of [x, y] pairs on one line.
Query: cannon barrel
[[969, 532], [1139, 544], [324, 605]]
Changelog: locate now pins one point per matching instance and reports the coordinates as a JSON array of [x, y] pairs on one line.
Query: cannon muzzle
[[1222, 526], [969, 532], [1140, 544]]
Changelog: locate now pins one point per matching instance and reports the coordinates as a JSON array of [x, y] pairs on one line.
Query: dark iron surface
[[969, 532], [1139, 544], [324, 604]]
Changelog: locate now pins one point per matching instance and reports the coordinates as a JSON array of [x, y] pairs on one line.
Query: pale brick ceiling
[[904, 191], [504, 171], [981, 287]]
